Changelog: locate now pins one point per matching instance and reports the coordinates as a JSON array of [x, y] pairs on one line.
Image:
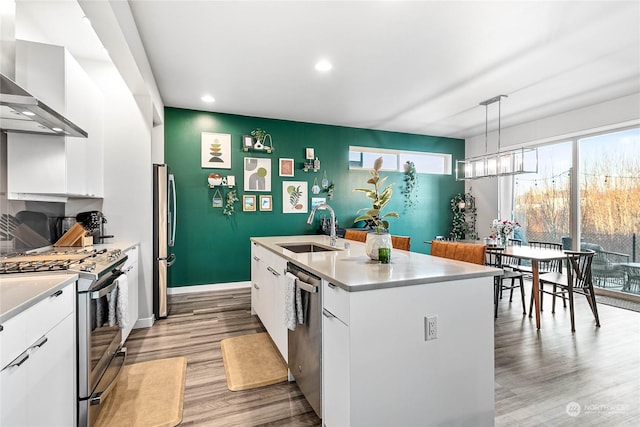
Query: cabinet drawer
[[336, 300], [13, 339], [49, 312], [25, 328]]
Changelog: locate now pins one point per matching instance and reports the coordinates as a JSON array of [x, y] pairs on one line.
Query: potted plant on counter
[[379, 236]]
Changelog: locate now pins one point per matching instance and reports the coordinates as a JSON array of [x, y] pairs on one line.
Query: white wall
[[127, 203], [609, 115]]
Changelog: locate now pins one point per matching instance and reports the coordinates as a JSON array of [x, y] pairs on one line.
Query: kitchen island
[[407, 343]]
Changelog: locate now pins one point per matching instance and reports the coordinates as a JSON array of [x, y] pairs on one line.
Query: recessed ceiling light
[[208, 98], [323, 65], [56, 129], [28, 113]]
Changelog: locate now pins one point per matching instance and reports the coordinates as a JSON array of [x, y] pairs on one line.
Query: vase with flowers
[[379, 236], [503, 229]]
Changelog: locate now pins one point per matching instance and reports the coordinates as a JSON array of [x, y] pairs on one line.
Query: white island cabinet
[[53, 168], [37, 358], [379, 365], [267, 294]]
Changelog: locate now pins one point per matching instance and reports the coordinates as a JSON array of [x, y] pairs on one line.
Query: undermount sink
[[301, 248]]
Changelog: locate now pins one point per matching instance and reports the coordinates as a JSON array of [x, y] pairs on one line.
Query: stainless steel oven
[[100, 357]]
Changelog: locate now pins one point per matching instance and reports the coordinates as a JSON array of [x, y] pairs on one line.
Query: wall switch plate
[[430, 327]]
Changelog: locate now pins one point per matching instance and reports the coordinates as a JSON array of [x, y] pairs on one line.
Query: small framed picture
[[309, 154], [286, 167], [266, 203], [216, 202], [248, 203], [247, 142]]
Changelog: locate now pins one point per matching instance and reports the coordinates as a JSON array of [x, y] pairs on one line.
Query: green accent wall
[[213, 248]]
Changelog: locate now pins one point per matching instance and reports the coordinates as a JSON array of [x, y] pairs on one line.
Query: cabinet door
[[51, 377], [261, 293], [131, 267], [13, 394], [335, 371], [278, 331]]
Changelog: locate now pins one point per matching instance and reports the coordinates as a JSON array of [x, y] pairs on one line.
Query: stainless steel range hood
[[19, 110], [22, 112]]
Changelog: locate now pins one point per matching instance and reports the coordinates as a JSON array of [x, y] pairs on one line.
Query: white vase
[[376, 241]]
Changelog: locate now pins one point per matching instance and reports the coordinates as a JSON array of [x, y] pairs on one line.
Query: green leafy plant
[[259, 134], [410, 184], [229, 206], [373, 216], [464, 217]]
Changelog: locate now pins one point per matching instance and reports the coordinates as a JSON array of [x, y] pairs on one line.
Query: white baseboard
[[207, 288], [146, 322]]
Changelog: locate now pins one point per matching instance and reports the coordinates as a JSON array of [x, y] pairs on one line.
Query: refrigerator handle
[[172, 212], [171, 259]]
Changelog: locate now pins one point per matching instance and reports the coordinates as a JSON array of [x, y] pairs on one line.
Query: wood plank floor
[[595, 372]]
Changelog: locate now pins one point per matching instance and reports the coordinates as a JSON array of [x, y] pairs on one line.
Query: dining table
[[535, 255]]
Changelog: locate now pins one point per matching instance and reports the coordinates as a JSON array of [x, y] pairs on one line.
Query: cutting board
[[75, 236], [29, 238]]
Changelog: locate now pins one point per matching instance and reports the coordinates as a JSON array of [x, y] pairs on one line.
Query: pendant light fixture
[[511, 162]]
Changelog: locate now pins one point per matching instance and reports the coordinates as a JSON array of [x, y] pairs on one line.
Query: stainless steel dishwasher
[[305, 341]]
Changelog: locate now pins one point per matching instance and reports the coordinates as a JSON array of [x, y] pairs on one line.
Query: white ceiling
[[418, 67]]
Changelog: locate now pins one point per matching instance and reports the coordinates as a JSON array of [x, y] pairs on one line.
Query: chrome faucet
[[322, 206]]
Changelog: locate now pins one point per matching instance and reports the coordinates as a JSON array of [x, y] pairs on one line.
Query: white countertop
[[22, 290], [352, 270]]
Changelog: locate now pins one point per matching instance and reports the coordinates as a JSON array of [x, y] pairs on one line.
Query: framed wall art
[[295, 197], [257, 174], [266, 203], [309, 154], [248, 203], [215, 150], [286, 167]]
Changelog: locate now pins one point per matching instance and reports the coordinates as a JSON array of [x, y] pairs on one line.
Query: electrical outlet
[[430, 327]]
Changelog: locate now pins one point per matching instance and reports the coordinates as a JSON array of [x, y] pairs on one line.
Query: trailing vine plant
[[410, 184], [229, 206], [464, 217]]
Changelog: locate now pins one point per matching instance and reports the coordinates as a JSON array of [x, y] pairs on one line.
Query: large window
[[607, 197], [609, 207], [542, 200]]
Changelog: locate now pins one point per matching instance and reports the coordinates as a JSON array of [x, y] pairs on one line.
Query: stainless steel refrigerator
[[164, 235]]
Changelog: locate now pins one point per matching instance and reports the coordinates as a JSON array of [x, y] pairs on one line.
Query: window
[[605, 191], [394, 160]]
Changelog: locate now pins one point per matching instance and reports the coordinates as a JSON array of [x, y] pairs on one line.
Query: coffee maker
[[94, 222]]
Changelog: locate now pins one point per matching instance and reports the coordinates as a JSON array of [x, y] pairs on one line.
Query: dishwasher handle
[[306, 286]]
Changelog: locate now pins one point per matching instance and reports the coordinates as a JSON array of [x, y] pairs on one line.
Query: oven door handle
[[102, 292], [99, 396]]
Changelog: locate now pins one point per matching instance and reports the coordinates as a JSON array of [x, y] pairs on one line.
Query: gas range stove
[[88, 263]]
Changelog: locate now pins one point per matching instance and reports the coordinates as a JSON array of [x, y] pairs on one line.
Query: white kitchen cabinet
[[43, 375], [267, 294], [57, 166], [131, 268], [378, 369], [279, 332], [261, 287], [335, 364]]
